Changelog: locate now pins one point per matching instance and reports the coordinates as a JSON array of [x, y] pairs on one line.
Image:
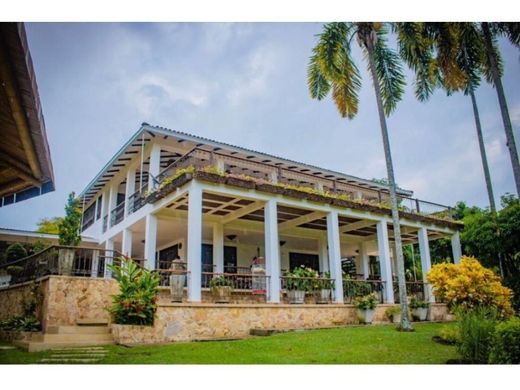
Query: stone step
[[91, 322], [77, 356], [77, 338], [83, 329], [32, 346], [69, 361]]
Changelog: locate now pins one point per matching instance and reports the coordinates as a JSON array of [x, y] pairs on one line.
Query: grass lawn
[[378, 344]]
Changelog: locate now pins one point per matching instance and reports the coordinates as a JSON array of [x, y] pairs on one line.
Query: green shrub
[[476, 328], [21, 324], [301, 279], [220, 281], [15, 252], [136, 302], [418, 304], [449, 334], [368, 302], [506, 343]]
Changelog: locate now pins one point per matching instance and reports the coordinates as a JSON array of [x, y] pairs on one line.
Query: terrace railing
[[117, 214], [137, 199], [200, 158], [353, 288], [413, 288], [62, 260]]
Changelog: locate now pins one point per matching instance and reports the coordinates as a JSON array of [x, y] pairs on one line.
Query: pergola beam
[[356, 225], [301, 220], [243, 211]]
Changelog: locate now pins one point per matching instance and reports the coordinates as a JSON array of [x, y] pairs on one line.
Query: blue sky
[[245, 84]]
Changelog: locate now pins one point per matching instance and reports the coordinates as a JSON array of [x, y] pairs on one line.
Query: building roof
[[8, 232], [147, 132], [25, 160]]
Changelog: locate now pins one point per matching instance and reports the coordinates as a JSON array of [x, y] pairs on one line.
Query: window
[[99, 204]]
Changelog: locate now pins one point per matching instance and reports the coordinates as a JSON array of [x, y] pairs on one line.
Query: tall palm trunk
[[490, 52], [405, 320], [485, 165]]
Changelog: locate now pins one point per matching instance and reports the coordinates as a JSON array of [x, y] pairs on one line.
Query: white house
[[218, 206]]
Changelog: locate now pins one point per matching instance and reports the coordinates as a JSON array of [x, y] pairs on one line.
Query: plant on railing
[[136, 302], [418, 303], [178, 173], [213, 169], [325, 283], [220, 281], [355, 288], [301, 279]]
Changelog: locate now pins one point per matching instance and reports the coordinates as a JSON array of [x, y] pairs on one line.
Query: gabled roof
[[147, 132]]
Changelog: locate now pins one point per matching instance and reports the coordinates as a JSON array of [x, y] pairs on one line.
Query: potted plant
[[221, 288], [298, 282], [323, 289], [419, 309], [365, 307], [177, 280], [393, 313]]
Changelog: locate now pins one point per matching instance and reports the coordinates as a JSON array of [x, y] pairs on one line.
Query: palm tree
[[331, 66], [447, 55], [494, 71]]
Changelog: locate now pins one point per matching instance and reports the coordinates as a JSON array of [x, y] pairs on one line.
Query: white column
[[218, 247], [130, 187], [324, 255], [335, 255], [426, 262], [126, 245], [272, 250], [194, 242], [154, 167], [363, 254], [384, 260], [456, 248], [109, 253], [95, 264], [150, 241]]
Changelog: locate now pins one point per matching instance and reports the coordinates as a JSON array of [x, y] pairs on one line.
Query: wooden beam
[[356, 225], [19, 169], [301, 220], [12, 187], [243, 211]]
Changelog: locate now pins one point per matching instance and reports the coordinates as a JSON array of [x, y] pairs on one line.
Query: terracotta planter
[[211, 177], [177, 283], [420, 313], [242, 183], [365, 316], [270, 188], [322, 296], [221, 294], [296, 296]]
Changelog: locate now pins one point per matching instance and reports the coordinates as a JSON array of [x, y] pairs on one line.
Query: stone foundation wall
[[71, 298], [12, 299], [186, 322]]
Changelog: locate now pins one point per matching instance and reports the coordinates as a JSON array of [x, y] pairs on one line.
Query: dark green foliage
[[15, 252], [220, 281], [136, 302], [476, 328], [21, 324], [69, 227], [506, 343]]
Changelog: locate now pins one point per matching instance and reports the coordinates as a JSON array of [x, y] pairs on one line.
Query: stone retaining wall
[[186, 322]]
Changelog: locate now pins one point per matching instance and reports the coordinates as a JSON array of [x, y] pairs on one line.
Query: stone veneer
[[69, 299], [186, 322]]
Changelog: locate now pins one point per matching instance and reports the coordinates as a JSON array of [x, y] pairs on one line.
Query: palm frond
[[318, 85], [389, 72], [470, 55]]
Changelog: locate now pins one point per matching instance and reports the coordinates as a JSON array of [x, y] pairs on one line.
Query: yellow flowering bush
[[469, 285]]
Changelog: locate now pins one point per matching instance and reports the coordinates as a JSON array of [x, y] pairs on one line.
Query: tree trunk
[[483, 156], [490, 52], [405, 320]]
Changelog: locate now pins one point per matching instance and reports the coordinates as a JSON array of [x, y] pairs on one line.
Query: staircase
[[86, 333]]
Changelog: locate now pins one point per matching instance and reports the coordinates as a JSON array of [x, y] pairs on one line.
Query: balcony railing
[[199, 158], [117, 214], [62, 260], [137, 199], [357, 288], [415, 288]]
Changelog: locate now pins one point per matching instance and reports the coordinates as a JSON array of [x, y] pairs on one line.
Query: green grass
[[380, 344]]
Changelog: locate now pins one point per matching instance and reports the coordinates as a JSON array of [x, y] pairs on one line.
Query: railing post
[[417, 206]]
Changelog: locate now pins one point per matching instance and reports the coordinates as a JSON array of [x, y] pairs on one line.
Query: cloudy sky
[[245, 84]]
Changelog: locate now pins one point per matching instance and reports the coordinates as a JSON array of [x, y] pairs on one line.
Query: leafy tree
[[332, 68], [69, 228], [15, 252], [49, 225]]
